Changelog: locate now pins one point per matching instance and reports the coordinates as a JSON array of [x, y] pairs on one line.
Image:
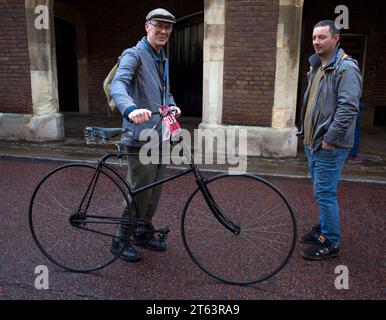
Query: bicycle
[[239, 229]]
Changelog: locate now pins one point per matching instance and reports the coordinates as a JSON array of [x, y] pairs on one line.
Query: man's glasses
[[159, 27]]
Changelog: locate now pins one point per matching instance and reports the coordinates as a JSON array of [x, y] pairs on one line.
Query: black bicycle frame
[[201, 182]]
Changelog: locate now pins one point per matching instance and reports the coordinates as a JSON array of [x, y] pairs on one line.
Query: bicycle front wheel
[[57, 227], [267, 234]]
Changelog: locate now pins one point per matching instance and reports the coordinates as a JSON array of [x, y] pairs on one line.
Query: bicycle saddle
[[104, 133]]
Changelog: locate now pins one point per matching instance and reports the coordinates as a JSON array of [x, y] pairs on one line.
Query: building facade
[[235, 64]]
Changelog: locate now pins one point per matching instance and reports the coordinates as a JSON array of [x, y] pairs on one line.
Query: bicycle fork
[[227, 223]]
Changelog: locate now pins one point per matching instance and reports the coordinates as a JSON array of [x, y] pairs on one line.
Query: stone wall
[[15, 81], [250, 61]]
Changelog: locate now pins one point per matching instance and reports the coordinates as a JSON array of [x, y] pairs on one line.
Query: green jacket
[[337, 106]]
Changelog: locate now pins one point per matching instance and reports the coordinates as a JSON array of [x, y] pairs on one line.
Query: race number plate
[[170, 121]]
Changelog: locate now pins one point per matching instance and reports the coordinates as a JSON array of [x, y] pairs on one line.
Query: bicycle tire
[[267, 235], [56, 198]]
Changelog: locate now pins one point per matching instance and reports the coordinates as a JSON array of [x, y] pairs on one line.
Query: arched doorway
[[66, 58], [186, 63]]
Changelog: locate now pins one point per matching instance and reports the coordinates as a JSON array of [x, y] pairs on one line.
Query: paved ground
[[171, 274]]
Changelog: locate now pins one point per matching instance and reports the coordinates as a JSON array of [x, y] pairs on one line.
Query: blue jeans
[[326, 167]]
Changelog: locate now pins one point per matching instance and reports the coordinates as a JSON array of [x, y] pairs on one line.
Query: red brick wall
[[114, 26], [365, 17], [15, 83], [250, 61]]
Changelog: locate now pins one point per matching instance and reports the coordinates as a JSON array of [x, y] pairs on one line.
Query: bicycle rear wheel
[[58, 230], [267, 230]]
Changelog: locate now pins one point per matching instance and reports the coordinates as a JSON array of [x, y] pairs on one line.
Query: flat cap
[[161, 15]]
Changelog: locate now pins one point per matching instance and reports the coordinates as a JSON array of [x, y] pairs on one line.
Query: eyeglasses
[[159, 27]]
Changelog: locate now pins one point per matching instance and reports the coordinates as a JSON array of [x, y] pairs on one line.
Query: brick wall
[[114, 26], [250, 61], [15, 83], [365, 17]]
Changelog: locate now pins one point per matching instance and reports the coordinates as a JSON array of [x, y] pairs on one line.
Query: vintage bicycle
[[238, 228]]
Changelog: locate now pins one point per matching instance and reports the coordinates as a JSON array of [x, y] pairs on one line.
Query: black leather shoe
[[152, 244], [324, 249], [128, 254], [312, 236]]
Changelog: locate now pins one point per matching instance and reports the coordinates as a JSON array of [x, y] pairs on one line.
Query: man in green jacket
[[330, 108]]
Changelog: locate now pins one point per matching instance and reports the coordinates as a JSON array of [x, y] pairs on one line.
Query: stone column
[[46, 123], [287, 67], [214, 33]]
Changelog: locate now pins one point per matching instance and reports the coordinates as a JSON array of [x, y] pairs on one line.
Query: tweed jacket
[[137, 83]]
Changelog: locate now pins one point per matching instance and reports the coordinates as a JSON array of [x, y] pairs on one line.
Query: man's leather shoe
[[152, 244], [128, 254]]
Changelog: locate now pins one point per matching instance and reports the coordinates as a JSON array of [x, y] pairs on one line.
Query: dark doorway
[[66, 60], [186, 64], [355, 45]]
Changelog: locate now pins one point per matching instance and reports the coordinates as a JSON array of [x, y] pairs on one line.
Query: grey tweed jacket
[[137, 83]]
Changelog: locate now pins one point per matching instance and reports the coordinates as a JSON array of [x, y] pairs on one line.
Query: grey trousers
[[140, 175]]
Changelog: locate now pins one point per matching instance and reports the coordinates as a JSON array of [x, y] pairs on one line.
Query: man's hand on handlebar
[[140, 116]]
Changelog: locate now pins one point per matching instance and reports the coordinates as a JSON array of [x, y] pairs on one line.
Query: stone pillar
[[46, 122], [280, 140], [214, 34], [287, 66]]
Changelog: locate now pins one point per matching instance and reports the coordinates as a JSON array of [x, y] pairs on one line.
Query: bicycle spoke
[[258, 222], [207, 215], [44, 205], [265, 239], [56, 200], [209, 231], [267, 212], [272, 232], [207, 219], [259, 248]]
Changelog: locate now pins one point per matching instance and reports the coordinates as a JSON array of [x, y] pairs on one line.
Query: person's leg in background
[[353, 156]]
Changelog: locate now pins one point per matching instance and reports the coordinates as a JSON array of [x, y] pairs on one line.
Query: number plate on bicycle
[[170, 121]]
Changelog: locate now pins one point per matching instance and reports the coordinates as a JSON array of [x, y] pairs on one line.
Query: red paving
[[171, 274]]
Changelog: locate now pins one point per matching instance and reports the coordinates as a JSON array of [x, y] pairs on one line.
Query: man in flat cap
[[140, 87]]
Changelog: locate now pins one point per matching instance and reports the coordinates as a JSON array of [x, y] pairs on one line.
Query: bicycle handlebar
[[161, 113]]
